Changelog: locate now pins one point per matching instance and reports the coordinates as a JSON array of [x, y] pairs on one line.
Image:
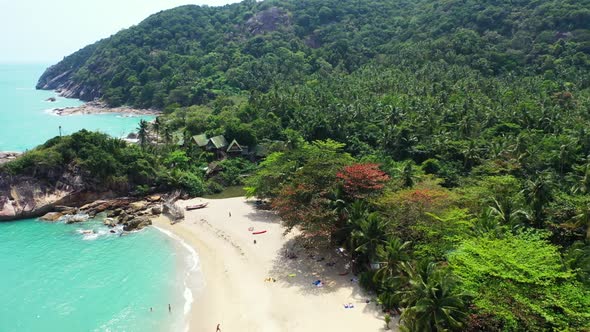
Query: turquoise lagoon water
[[25, 120], [53, 277]]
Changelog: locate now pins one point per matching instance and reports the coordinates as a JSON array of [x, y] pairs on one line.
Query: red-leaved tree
[[362, 180]]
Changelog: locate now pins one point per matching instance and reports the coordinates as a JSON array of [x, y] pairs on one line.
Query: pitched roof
[[234, 146], [178, 138], [201, 139], [218, 142]]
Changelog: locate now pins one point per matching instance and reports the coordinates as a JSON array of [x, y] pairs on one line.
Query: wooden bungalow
[[201, 140], [217, 144], [235, 149]]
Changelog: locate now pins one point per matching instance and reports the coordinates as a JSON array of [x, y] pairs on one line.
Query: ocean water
[[53, 277], [25, 120]]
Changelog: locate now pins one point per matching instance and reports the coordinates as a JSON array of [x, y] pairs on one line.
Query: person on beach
[[230, 213], [169, 308], [218, 328]]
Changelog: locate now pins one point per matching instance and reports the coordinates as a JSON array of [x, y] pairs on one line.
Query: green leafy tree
[[521, 279]]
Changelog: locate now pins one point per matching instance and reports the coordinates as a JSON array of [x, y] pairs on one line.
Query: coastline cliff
[[24, 196], [61, 77]]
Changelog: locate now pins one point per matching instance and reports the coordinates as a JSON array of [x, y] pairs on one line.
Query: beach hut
[[235, 149], [201, 140], [216, 143]]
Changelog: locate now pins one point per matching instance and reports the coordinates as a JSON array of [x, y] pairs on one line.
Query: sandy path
[[236, 294]]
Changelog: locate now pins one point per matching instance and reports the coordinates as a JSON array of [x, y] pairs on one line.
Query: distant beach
[[271, 284], [95, 107]]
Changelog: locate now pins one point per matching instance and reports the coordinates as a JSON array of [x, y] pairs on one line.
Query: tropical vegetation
[[444, 145]]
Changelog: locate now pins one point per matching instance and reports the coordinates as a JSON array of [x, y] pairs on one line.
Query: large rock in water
[[52, 216], [136, 223]]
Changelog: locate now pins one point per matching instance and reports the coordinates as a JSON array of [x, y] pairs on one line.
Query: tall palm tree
[[538, 193], [432, 301], [582, 219], [487, 223], [167, 134], [391, 255], [581, 177], [142, 133], [407, 174], [471, 155], [371, 233], [506, 213], [157, 125]]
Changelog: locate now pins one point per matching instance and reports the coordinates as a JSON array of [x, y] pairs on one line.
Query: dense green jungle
[[444, 145]]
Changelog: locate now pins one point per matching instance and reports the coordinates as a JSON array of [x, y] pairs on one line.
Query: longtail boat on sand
[[195, 207]]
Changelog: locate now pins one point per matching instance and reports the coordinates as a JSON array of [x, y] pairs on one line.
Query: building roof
[[265, 148], [178, 138], [218, 142], [234, 146], [201, 140]]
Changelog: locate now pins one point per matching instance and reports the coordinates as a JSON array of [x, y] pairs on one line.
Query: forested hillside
[[444, 145], [189, 55]]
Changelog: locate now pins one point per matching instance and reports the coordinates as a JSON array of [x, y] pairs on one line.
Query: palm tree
[[407, 174], [157, 125], [391, 255], [538, 193], [167, 134], [371, 233], [581, 177], [506, 212], [432, 301], [582, 219], [471, 155], [487, 223], [142, 133]]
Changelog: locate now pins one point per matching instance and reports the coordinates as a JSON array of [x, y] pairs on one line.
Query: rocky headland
[[68, 201], [28, 196], [60, 79]]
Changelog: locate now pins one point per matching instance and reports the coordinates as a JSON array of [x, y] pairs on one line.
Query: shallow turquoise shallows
[[25, 120], [55, 278]]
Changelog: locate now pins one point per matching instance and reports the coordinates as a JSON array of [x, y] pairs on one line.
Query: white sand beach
[[236, 295], [96, 107]]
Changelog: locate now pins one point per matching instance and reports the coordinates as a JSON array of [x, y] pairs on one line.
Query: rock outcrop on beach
[[7, 156]]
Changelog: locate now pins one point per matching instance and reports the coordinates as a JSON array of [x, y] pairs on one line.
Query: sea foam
[[193, 266]]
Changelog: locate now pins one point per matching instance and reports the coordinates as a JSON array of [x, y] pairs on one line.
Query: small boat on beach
[[195, 207], [259, 232]]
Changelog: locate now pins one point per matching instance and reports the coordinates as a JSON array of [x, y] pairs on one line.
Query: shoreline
[[237, 292], [6, 156], [95, 107]]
